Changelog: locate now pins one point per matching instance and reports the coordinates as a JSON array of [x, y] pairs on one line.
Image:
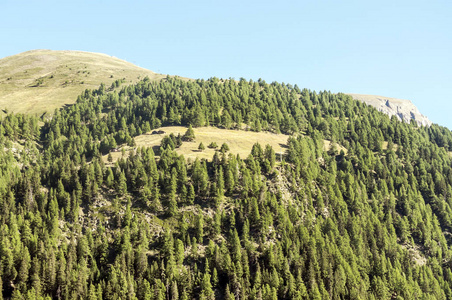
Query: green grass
[[62, 76]]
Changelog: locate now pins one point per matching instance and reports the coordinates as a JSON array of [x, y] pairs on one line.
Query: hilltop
[[39, 81]]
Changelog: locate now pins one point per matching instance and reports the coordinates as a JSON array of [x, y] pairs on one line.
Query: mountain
[[404, 110], [109, 199], [39, 81]]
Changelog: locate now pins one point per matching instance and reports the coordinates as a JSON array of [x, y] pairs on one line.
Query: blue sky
[[400, 49]]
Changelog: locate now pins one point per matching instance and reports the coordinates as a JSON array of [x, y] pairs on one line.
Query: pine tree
[[174, 291], [224, 148], [121, 187], [206, 287], [179, 252], [200, 227], [191, 194], [189, 135], [228, 294], [172, 206], [92, 292]]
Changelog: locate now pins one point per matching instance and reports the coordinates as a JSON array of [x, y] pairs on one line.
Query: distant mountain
[[39, 81], [404, 110]]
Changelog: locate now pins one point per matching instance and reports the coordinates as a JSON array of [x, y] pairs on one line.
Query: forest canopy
[[372, 222]]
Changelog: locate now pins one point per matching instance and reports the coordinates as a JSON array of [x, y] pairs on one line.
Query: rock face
[[404, 110]]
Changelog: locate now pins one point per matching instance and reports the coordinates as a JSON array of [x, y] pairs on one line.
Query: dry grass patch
[[239, 141], [384, 146], [328, 144], [40, 81]]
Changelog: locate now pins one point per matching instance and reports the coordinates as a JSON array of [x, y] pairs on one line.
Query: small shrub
[[213, 145], [224, 148]]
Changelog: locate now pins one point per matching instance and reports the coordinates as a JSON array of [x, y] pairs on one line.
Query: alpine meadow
[[162, 187]]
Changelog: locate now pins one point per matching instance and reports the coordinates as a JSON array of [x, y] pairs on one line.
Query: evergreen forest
[[369, 220]]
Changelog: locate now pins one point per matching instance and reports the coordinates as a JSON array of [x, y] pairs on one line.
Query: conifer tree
[[224, 148], [191, 194], [189, 135]]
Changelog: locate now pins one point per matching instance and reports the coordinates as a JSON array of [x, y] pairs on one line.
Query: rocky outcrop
[[404, 110]]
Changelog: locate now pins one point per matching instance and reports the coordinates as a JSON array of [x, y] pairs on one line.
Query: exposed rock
[[402, 109]]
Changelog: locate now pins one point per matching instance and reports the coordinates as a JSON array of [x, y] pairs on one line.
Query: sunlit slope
[[239, 141], [39, 81]]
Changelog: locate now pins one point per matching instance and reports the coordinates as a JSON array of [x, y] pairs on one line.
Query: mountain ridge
[[41, 80]]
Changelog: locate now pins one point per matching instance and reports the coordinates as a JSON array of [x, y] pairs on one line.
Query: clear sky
[[398, 48]]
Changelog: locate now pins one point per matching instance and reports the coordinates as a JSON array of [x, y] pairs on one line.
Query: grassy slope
[[66, 74], [239, 141], [72, 71]]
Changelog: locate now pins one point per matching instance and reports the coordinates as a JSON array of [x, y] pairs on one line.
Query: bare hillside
[[41, 80]]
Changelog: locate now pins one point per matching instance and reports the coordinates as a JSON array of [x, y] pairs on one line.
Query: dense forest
[[371, 222]]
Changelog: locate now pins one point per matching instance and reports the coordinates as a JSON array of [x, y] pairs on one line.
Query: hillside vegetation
[[372, 222], [40, 81], [240, 142]]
